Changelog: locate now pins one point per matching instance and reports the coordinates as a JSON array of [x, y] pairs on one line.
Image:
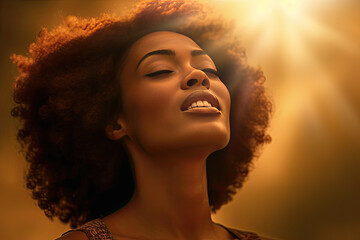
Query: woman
[[127, 122]]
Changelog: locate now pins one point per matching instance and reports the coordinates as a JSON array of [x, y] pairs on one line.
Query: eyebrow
[[157, 52], [168, 52], [197, 53]]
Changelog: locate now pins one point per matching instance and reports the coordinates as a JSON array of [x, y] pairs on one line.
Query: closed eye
[[212, 71], [154, 74]]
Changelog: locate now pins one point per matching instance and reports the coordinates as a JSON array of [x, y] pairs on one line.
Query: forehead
[[162, 40]]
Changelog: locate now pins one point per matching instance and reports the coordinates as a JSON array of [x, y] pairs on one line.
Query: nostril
[[205, 82], [191, 82]]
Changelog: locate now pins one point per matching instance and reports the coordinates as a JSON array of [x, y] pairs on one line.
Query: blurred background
[[306, 184]]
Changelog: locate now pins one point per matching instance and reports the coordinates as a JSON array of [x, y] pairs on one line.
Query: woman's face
[[173, 99]]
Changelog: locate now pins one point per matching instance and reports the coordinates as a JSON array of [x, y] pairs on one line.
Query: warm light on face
[[156, 74]]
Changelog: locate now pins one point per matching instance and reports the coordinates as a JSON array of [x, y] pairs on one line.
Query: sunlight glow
[[290, 5], [292, 40], [286, 30]]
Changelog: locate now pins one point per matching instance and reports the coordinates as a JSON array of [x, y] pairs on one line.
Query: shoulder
[[93, 230], [266, 238], [247, 235], [73, 235]]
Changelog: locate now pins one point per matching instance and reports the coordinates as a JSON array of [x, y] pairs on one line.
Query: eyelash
[[206, 70], [153, 74], [212, 71]]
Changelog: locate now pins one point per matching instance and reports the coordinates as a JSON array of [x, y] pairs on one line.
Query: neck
[[170, 199]]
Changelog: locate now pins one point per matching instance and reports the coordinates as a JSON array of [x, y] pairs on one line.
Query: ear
[[116, 130]]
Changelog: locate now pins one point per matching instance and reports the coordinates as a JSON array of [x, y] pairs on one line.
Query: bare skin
[[168, 145]]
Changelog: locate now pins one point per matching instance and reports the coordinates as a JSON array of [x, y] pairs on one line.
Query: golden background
[[306, 184]]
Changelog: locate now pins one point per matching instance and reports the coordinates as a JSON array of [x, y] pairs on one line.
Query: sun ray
[[289, 37], [286, 26]]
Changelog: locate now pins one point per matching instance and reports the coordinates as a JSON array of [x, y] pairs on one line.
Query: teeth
[[207, 104], [200, 104]]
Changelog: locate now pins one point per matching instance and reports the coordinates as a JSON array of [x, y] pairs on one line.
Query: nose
[[195, 78]]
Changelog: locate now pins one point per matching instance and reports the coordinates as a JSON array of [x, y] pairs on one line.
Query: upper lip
[[200, 96]]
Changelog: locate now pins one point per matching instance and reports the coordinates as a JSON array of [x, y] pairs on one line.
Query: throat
[[171, 195], [177, 192], [170, 199]]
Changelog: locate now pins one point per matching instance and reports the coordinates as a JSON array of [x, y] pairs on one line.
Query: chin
[[219, 142], [209, 141], [205, 138], [206, 143], [217, 134]]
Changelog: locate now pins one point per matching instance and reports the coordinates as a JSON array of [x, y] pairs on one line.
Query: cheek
[[149, 98], [224, 96], [148, 108]]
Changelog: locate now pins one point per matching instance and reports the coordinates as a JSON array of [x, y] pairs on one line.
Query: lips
[[200, 99]]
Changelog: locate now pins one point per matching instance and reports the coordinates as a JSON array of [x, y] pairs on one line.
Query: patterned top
[[97, 230]]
